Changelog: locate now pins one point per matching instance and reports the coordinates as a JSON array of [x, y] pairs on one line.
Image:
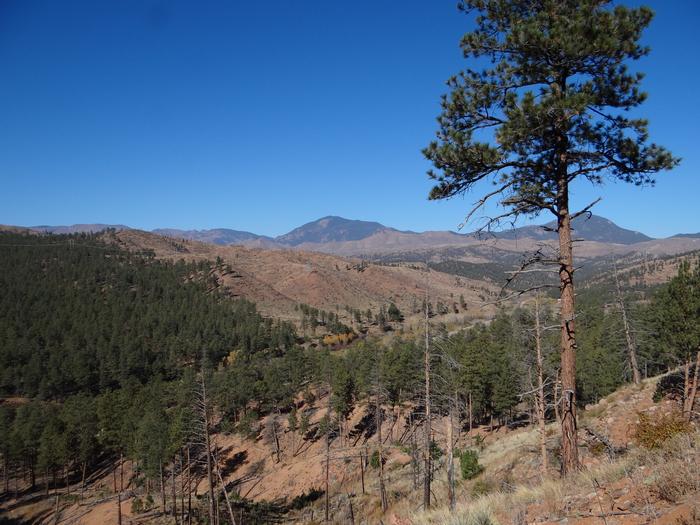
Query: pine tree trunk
[[569, 450]]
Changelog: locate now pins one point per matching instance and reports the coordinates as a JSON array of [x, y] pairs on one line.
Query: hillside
[[278, 280], [628, 486], [122, 361]]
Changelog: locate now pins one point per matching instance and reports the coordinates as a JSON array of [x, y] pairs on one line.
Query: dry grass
[[669, 473]]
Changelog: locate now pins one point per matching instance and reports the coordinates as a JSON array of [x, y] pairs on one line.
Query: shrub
[[247, 426], [652, 433], [671, 385], [435, 451], [481, 487], [136, 505], [479, 441], [374, 459], [469, 464]]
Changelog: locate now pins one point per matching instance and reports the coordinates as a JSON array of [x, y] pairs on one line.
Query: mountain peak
[[331, 229], [589, 228]]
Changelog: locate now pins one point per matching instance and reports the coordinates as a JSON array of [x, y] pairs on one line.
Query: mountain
[[687, 236], [221, 236], [78, 228], [589, 228], [331, 229]]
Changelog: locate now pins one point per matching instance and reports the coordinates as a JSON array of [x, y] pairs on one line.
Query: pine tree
[[547, 108]]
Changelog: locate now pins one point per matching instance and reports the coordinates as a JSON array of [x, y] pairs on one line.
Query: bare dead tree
[[224, 492], [202, 409], [631, 347], [450, 456], [380, 443], [427, 438], [691, 389], [328, 450], [540, 399]]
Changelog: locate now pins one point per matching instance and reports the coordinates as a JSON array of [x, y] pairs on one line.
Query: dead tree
[[203, 413], [427, 438], [328, 450], [691, 389], [225, 493], [540, 402], [631, 347], [450, 456], [380, 450]]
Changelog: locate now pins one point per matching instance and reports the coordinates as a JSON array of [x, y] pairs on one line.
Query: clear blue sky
[[261, 116]]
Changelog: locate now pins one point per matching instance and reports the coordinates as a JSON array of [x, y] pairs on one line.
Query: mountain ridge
[[334, 229]]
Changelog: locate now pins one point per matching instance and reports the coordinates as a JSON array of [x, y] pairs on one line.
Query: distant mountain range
[[337, 235]]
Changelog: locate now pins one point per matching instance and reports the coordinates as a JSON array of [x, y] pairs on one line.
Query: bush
[[481, 487], [374, 459], [136, 505], [652, 433], [435, 451], [469, 464], [247, 426], [671, 385]]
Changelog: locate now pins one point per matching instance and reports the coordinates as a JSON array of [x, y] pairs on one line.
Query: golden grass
[[670, 473]]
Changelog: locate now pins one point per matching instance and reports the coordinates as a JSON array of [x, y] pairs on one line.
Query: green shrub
[[469, 463], [136, 505], [374, 459], [653, 432], [247, 426], [435, 451]]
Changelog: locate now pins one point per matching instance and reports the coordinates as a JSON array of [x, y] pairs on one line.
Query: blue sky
[[261, 116]]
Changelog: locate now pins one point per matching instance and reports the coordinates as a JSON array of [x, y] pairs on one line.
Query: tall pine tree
[[545, 105]]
